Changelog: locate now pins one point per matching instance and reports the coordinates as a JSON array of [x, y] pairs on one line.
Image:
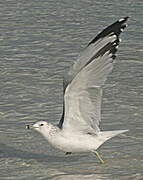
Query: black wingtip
[[115, 28], [124, 19]]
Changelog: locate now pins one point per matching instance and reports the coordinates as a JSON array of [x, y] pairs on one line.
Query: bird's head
[[40, 126]]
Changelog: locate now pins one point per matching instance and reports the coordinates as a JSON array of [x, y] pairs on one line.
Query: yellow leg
[[99, 157]]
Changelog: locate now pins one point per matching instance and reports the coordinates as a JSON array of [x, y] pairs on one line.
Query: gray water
[[39, 40]]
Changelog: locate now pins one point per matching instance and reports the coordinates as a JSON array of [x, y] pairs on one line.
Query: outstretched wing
[[83, 85]]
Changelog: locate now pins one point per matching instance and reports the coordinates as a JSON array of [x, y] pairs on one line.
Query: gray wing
[[83, 85]]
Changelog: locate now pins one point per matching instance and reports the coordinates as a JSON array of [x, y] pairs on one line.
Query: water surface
[[39, 40]]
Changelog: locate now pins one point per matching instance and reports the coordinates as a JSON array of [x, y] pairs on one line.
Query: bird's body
[[78, 129], [74, 142]]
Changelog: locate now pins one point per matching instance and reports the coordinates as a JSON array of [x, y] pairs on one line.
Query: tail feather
[[105, 135]]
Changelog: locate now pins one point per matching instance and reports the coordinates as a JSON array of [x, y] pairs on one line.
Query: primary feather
[[84, 81]]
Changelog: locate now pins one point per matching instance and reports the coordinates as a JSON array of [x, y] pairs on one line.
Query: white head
[[42, 127], [45, 128]]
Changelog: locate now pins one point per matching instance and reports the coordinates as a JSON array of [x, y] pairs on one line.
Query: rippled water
[[39, 40]]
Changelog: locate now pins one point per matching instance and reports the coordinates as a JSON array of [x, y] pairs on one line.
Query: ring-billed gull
[[78, 129]]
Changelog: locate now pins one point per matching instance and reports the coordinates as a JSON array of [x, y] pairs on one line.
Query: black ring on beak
[[28, 126]]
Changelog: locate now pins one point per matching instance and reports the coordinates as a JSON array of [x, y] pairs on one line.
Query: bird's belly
[[75, 144]]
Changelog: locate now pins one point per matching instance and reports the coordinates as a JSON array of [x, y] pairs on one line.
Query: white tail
[[105, 135]]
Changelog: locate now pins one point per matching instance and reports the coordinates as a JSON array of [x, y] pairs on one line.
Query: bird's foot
[[67, 153], [99, 157]]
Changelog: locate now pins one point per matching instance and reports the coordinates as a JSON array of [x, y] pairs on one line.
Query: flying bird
[[78, 129]]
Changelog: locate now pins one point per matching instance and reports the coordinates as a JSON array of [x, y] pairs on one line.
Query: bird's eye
[[41, 124]]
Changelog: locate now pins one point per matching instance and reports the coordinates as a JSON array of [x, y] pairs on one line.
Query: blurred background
[[39, 41]]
